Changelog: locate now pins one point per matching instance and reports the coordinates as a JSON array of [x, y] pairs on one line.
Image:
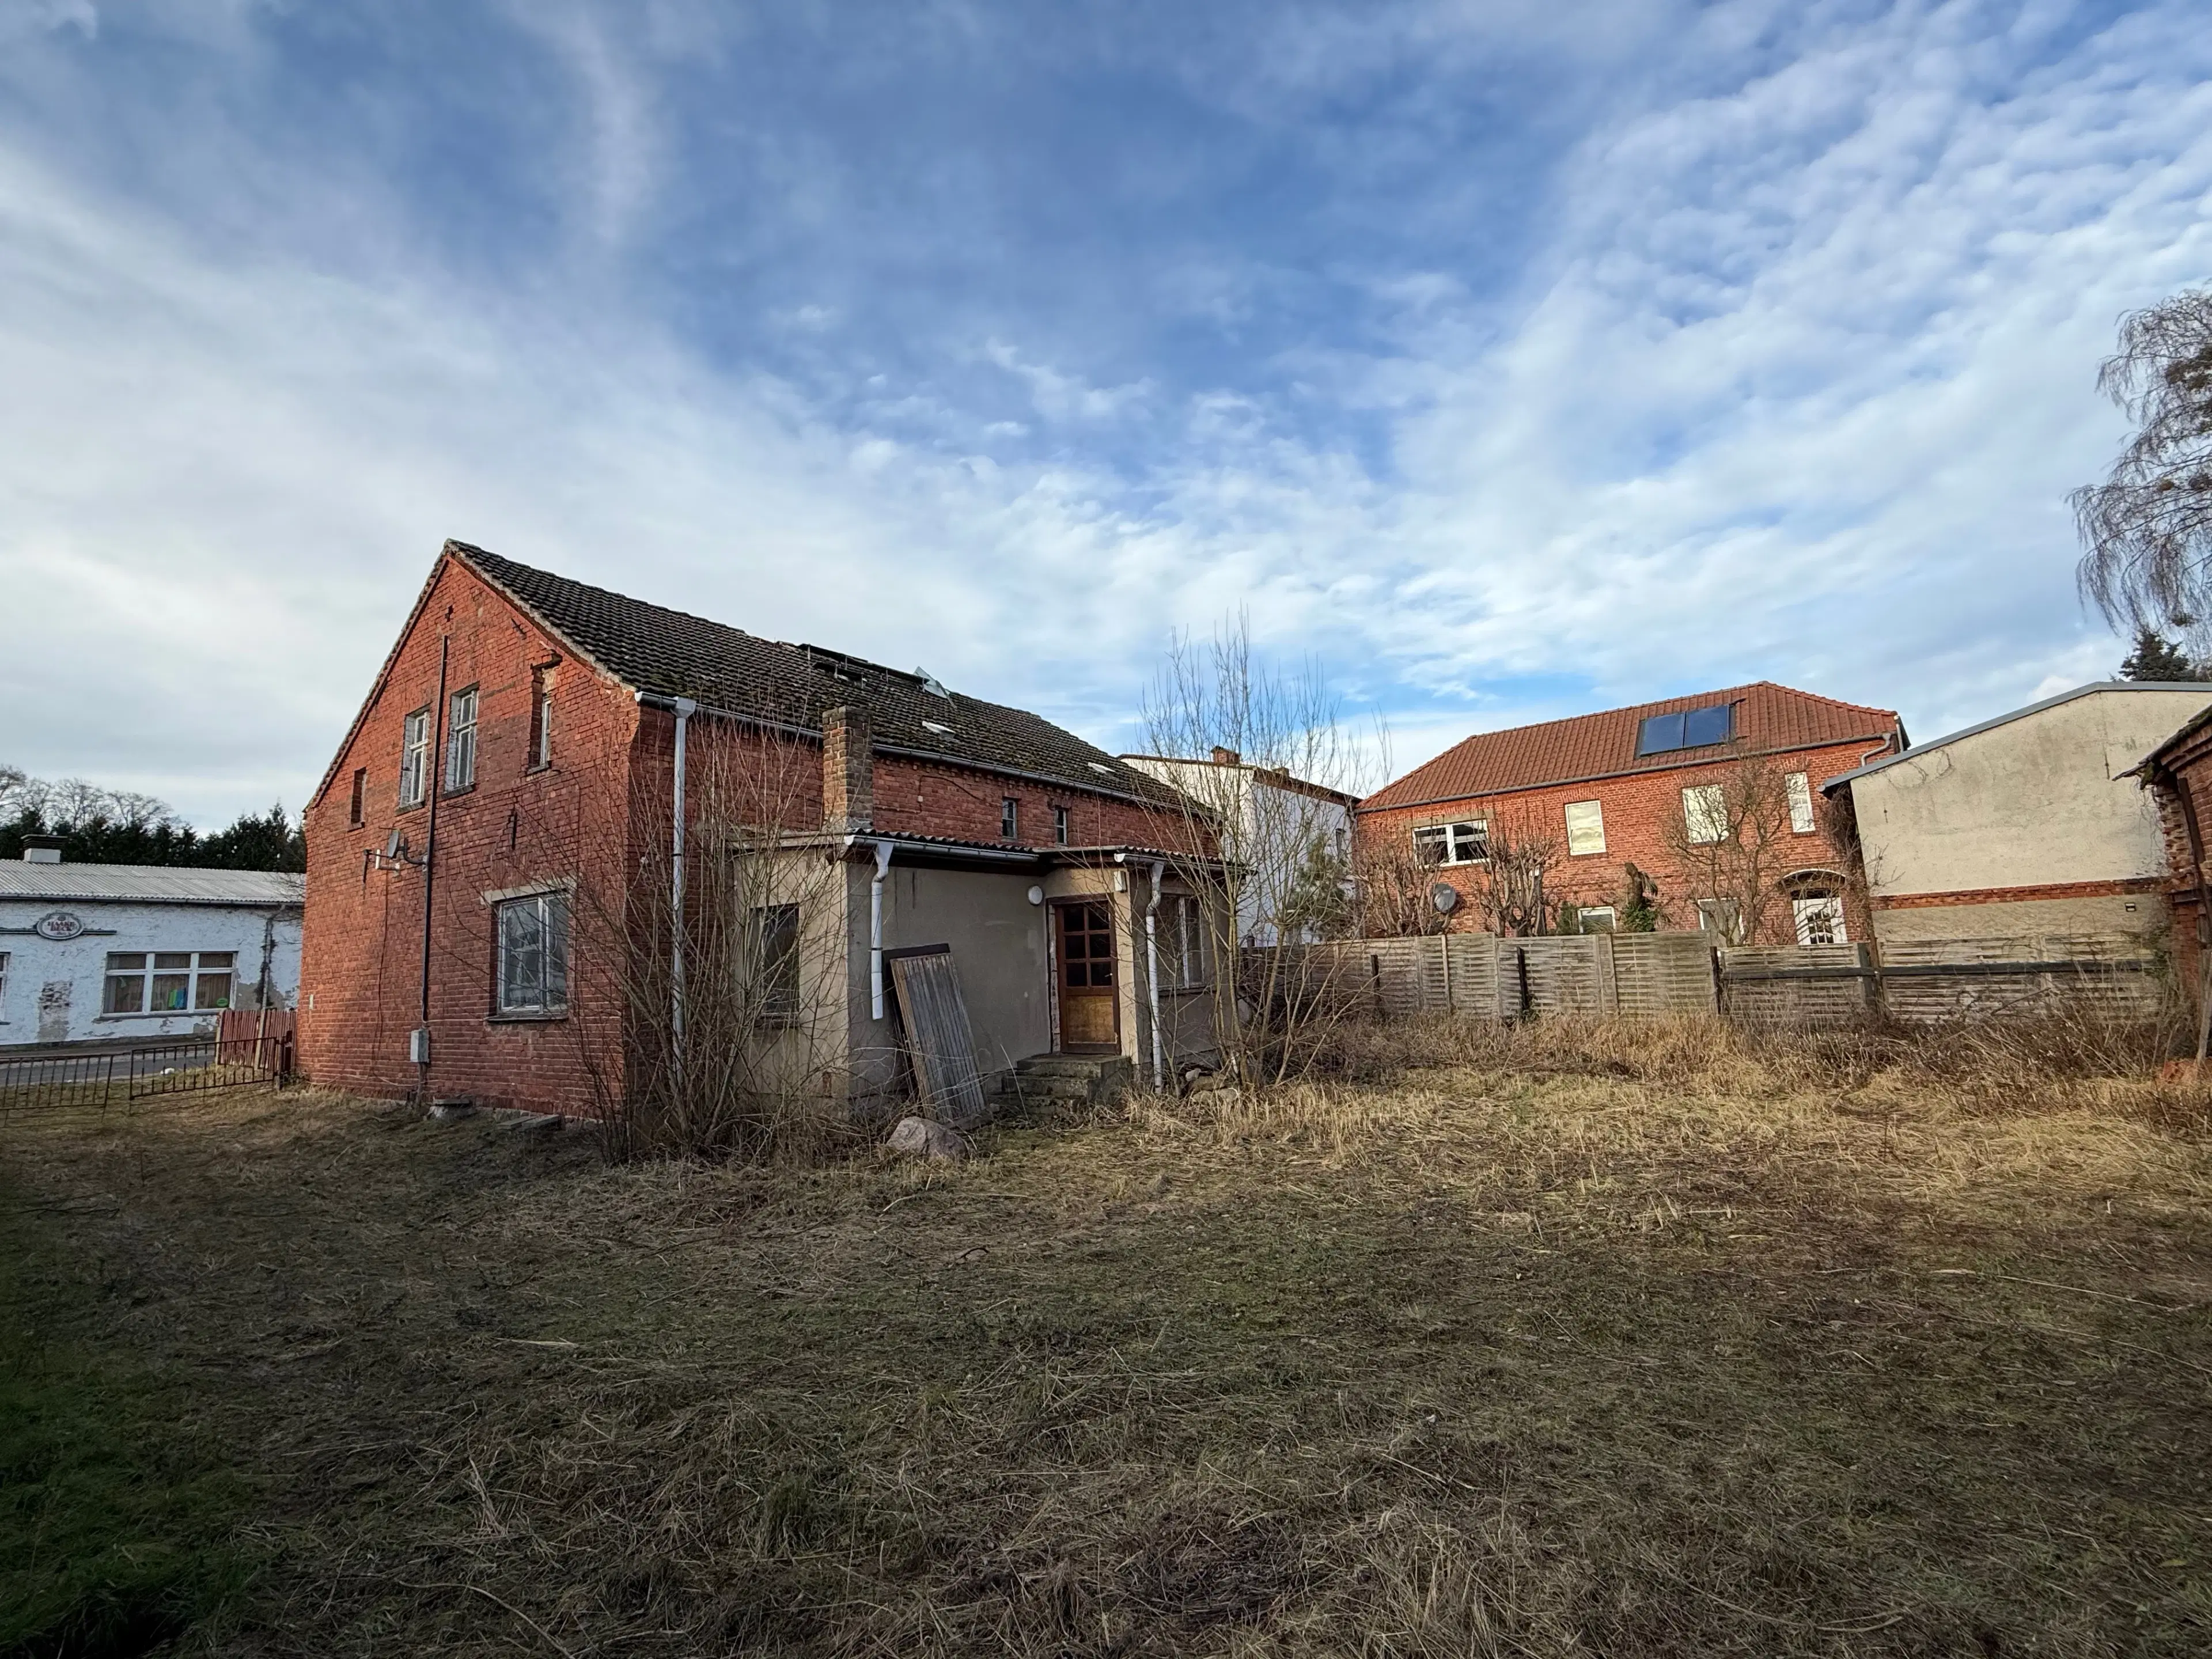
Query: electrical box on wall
[[418, 1046]]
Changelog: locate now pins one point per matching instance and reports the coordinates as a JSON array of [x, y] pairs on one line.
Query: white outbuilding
[[127, 952]]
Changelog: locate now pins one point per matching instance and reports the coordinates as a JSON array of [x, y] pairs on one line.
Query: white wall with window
[[113, 953]]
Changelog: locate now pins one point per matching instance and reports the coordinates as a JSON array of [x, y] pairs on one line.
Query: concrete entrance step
[[1076, 1080]]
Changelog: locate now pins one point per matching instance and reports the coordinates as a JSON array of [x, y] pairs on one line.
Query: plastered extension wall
[[2038, 802], [53, 990]]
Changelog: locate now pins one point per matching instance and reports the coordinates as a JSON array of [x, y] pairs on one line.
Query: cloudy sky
[[1515, 358]]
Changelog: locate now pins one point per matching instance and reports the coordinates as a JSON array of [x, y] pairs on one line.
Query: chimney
[[1226, 756], [848, 771], [42, 849]]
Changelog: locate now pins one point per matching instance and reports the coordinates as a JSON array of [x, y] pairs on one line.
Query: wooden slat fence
[[1649, 975]]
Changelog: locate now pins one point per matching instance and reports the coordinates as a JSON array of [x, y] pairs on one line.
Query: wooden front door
[[1090, 1009]]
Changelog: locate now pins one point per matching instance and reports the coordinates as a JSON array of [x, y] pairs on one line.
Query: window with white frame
[[414, 757], [168, 981], [1181, 943], [1819, 921], [533, 955], [1585, 828], [1010, 818], [1059, 826], [775, 959], [1705, 813], [461, 740], [1802, 821], [1596, 919], [541, 718], [1453, 844]]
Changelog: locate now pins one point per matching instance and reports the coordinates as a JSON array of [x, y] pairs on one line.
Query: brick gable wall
[[1637, 810]]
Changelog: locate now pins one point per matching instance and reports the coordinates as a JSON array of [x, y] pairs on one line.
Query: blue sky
[[1514, 359]]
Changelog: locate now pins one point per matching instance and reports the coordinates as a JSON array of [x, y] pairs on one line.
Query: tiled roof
[[1769, 718], [147, 884], [672, 653]]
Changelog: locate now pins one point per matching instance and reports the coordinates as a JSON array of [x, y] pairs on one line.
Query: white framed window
[[1802, 821], [533, 955], [1596, 919], [1181, 943], [461, 740], [1718, 916], [1704, 812], [1819, 921], [1010, 818], [775, 959], [168, 981], [541, 718], [1059, 826], [1585, 828], [1453, 844], [414, 757]]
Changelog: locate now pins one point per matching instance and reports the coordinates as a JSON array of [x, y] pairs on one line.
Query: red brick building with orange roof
[[1604, 789]]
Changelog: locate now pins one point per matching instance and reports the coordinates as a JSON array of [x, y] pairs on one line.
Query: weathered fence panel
[[1797, 984], [1660, 974], [1930, 980], [1558, 974]]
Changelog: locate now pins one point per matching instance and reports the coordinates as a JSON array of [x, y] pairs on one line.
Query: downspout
[[434, 766], [1152, 975], [685, 707], [875, 930]]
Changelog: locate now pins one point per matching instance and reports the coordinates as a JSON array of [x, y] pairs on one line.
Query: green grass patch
[[115, 1520]]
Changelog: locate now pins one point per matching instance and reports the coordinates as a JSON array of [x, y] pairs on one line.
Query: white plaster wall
[[2037, 800], [1262, 814], [68, 977]]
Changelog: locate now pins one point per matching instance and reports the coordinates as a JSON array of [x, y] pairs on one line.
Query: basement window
[[1453, 844], [533, 957], [1687, 728]]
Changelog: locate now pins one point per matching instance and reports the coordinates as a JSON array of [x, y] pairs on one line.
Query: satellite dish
[[1444, 896], [395, 846]]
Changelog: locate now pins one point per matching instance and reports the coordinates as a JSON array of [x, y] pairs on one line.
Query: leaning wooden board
[[937, 1035]]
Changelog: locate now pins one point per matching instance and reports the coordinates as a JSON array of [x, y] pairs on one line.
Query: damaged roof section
[[672, 653]]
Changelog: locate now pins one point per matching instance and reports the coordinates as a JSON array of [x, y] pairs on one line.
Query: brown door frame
[[1058, 908]]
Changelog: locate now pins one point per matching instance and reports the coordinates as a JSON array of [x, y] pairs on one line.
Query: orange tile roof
[[1769, 719]]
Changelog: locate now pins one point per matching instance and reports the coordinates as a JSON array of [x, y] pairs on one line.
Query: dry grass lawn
[[1609, 1341]]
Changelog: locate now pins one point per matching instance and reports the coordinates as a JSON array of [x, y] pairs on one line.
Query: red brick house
[[495, 850], [1601, 790]]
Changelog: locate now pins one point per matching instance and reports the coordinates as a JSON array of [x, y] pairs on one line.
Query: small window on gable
[[414, 757], [541, 717], [360, 789], [1802, 821], [1688, 729], [1010, 818], [461, 741], [1585, 828]]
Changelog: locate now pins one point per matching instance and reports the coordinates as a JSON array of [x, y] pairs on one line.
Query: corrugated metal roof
[[1769, 719], [2094, 686], [147, 884]]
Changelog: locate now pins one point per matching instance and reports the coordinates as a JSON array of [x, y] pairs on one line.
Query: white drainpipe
[[685, 707], [875, 930], [1152, 975]]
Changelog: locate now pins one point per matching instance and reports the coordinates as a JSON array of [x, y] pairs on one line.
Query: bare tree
[[1262, 731], [2148, 528], [1395, 887], [1512, 892], [1732, 842], [732, 1005]]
